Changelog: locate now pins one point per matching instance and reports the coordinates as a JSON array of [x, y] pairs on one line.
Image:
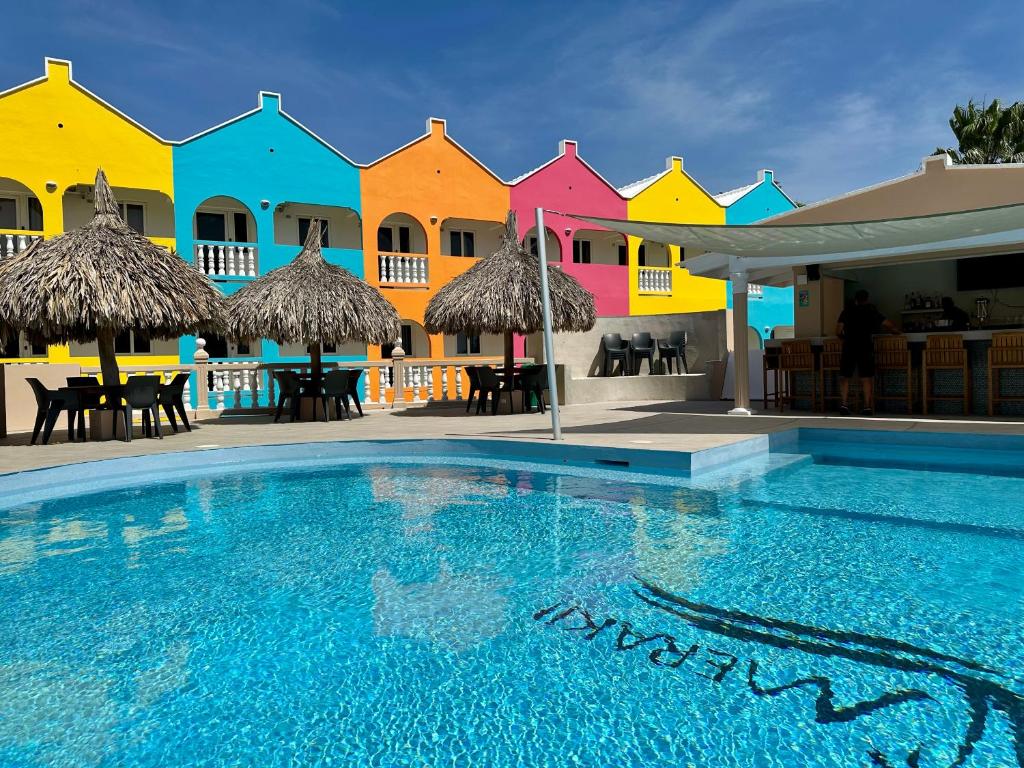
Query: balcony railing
[[655, 280], [14, 241], [226, 259], [403, 269]]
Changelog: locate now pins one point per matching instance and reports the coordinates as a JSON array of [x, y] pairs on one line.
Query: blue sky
[[832, 95]]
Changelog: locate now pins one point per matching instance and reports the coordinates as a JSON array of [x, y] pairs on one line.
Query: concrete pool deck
[[683, 427]]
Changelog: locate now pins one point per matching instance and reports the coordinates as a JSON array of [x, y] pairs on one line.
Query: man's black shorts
[[857, 359]]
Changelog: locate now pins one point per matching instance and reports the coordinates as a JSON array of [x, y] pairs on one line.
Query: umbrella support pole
[[549, 345]]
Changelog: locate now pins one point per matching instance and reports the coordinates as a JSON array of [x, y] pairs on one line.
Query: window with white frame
[[222, 226], [462, 243], [394, 238], [304, 222], [134, 215], [21, 212], [580, 251], [14, 344], [466, 344], [132, 343]]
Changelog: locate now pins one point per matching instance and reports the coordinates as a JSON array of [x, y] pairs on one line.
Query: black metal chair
[[490, 386], [354, 374], [474, 384], [531, 382], [336, 388], [87, 401], [172, 398], [673, 349], [49, 404], [615, 349], [142, 392], [641, 348]]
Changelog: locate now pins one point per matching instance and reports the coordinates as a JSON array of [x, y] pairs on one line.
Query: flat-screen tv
[[987, 273]]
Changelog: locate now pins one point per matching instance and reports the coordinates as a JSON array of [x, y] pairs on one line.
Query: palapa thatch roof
[[104, 278], [312, 302], [501, 295]]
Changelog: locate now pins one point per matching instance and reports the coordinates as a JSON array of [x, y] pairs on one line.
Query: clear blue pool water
[[780, 613]]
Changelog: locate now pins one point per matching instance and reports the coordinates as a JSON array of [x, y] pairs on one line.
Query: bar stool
[[892, 355], [831, 357], [770, 362], [945, 352], [797, 357], [1005, 354]]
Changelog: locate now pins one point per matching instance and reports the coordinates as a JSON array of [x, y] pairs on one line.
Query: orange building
[[428, 208]]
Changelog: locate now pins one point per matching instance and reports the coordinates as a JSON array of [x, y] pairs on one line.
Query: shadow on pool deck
[[670, 426]]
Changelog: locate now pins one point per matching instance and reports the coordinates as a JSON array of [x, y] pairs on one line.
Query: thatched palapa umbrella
[[312, 302], [501, 295], [101, 280]]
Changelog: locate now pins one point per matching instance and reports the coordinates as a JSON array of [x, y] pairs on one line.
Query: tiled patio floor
[[685, 427]]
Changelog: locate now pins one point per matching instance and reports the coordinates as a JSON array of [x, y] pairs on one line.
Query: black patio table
[[81, 391]]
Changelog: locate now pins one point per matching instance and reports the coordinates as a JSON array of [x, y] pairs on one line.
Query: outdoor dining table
[[82, 392]]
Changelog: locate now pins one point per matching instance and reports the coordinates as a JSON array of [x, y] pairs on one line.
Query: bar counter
[[977, 342]]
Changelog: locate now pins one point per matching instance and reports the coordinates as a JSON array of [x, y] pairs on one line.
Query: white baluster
[[22, 243], [381, 385], [392, 268], [250, 261], [186, 396], [199, 258], [444, 383], [230, 251], [367, 394], [382, 274], [423, 269], [218, 254], [218, 388], [643, 279], [668, 281], [417, 383], [8, 248], [458, 382]]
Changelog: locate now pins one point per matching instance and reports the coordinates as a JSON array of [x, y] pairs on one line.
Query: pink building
[[595, 256]]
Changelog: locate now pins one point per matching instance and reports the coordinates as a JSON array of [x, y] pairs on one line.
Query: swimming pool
[[789, 610]]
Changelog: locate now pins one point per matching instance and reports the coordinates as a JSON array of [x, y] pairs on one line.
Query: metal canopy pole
[[740, 341], [545, 300]]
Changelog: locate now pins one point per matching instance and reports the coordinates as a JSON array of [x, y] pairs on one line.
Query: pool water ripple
[[426, 615]]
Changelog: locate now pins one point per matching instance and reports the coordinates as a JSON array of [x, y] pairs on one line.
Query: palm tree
[[992, 134]]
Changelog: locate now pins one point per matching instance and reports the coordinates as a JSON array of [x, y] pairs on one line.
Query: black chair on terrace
[[336, 388], [531, 381], [87, 401], [472, 372], [641, 347], [49, 404], [354, 374], [490, 386], [142, 392], [291, 391], [615, 349], [172, 398], [673, 349]]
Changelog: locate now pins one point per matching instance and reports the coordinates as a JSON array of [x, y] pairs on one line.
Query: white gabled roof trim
[[731, 196], [280, 111], [444, 133], [47, 60], [561, 153]]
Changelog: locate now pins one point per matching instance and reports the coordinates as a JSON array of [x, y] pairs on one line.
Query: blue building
[[245, 192], [768, 307]]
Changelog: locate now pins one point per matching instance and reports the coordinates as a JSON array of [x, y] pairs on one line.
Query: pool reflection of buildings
[[674, 536]]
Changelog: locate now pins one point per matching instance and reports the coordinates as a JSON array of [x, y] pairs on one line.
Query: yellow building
[[54, 134], [656, 286]]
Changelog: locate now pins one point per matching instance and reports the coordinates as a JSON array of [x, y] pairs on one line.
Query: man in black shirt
[[858, 324]]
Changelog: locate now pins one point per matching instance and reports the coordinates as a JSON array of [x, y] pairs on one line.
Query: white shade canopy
[[767, 252]]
